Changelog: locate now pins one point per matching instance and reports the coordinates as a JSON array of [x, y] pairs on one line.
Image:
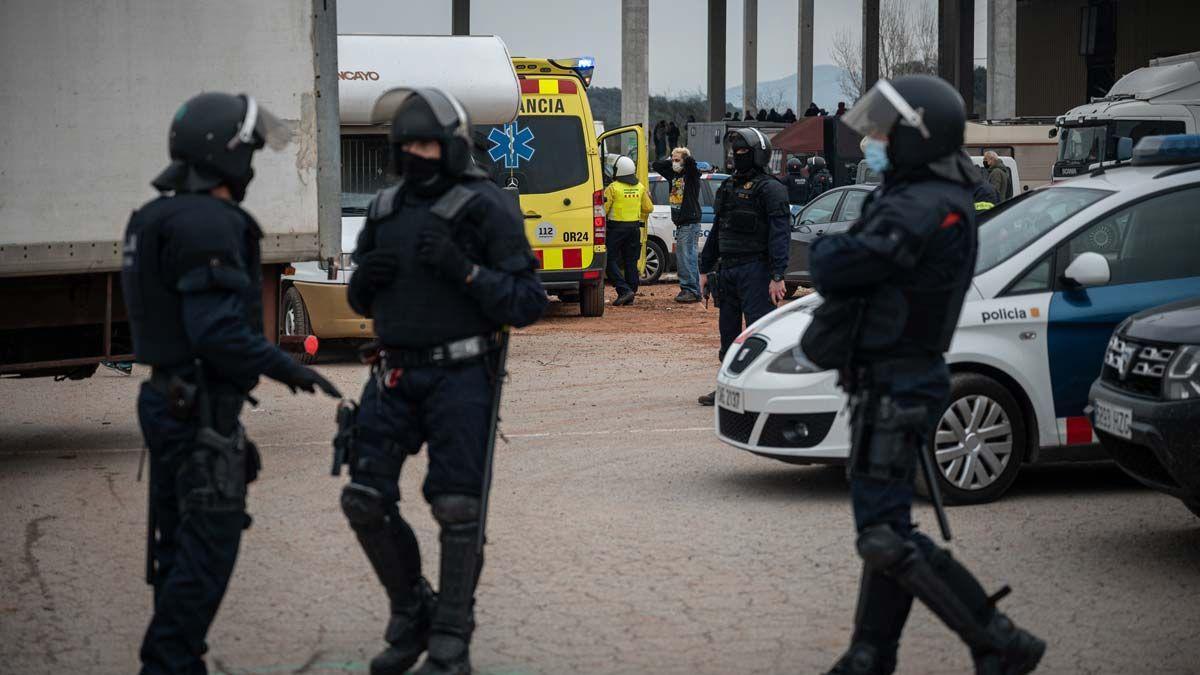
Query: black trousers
[[624, 249], [197, 542]]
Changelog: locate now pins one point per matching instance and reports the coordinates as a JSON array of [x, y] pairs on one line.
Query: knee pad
[[882, 548], [365, 507], [451, 510]]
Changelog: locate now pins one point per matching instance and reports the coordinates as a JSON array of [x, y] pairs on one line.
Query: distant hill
[[826, 90]]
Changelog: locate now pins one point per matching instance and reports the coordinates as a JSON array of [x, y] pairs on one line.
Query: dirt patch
[[654, 311]]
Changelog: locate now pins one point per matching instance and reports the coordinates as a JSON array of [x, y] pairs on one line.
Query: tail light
[[599, 225]]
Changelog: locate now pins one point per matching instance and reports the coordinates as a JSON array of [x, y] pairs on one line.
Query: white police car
[[1058, 269]]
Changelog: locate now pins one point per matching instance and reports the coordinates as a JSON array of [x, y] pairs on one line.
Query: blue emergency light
[[1173, 149], [581, 66]]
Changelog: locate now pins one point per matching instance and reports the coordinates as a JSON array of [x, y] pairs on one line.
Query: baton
[[497, 388], [935, 494]]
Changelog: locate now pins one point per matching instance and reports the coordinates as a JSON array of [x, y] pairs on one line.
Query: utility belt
[[739, 259], [457, 352]]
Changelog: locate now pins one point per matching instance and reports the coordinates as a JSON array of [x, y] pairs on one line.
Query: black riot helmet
[[816, 162], [760, 147], [212, 140], [923, 117], [433, 115], [794, 165]]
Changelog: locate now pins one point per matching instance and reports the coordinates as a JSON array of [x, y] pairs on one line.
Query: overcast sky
[[678, 31]]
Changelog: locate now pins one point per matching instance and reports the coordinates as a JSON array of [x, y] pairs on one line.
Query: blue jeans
[[686, 258]]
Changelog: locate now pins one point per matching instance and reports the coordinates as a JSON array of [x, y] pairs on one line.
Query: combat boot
[[407, 631], [863, 659], [454, 621], [1018, 651]]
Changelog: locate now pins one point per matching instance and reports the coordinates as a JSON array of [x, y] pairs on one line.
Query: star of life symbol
[[511, 145]]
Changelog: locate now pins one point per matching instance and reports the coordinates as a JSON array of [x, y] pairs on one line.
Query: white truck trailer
[[1162, 98], [87, 93]]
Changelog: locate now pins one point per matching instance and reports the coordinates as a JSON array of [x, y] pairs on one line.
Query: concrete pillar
[[1002, 59], [716, 60], [635, 63], [804, 57], [749, 54], [870, 43], [956, 46], [460, 17]]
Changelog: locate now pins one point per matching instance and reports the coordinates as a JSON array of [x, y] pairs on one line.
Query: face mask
[[419, 169], [677, 167], [875, 153], [743, 162]]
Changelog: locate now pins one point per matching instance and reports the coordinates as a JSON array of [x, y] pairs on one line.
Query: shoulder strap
[[453, 203], [384, 203]]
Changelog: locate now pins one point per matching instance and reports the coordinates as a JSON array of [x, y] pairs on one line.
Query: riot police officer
[[820, 180], [894, 286], [748, 242], [797, 182], [192, 281], [443, 266]]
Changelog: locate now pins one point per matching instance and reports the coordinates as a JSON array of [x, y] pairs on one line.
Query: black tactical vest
[[742, 215], [207, 242], [419, 309], [935, 289]]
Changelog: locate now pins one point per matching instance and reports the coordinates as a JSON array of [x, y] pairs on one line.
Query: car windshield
[[1098, 142], [1022, 221], [537, 153]]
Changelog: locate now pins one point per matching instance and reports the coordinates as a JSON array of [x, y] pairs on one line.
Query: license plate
[[730, 399], [1113, 419]]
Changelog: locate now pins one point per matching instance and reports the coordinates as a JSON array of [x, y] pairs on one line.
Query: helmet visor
[[880, 110], [259, 127]]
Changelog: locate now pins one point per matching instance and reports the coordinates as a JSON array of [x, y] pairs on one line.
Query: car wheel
[[656, 261], [979, 442], [295, 322], [591, 300]]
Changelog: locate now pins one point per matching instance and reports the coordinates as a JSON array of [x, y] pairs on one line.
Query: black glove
[[439, 252], [379, 267], [309, 380]]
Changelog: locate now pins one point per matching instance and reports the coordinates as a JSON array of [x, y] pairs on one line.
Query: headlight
[[792, 362], [1183, 375]]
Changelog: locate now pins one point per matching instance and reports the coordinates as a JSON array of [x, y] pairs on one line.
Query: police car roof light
[[1173, 149]]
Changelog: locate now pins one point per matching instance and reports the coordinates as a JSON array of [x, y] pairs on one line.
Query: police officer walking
[[192, 281], [796, 182], [894, 286], [443, 267], [626, 203], [748, 242]]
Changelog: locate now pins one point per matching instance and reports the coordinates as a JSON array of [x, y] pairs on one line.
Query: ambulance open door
[[629, 141]]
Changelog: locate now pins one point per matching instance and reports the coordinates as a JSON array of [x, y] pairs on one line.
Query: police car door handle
[[531, 214]]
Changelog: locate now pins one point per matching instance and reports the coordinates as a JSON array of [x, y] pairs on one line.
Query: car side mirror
[[1124, 149], [1088, 269], [1053, 133]]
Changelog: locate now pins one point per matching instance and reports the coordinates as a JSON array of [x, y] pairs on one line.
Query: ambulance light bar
[[580, 67], [1173, 149]]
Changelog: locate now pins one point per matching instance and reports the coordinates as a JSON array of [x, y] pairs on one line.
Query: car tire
[[656, 261], [973, 467], [294, 322], [591, 300]]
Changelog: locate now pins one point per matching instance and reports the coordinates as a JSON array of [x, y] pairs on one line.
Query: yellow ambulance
[[550, 154]]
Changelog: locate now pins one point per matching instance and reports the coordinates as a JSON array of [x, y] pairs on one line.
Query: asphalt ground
[[624, 538]]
